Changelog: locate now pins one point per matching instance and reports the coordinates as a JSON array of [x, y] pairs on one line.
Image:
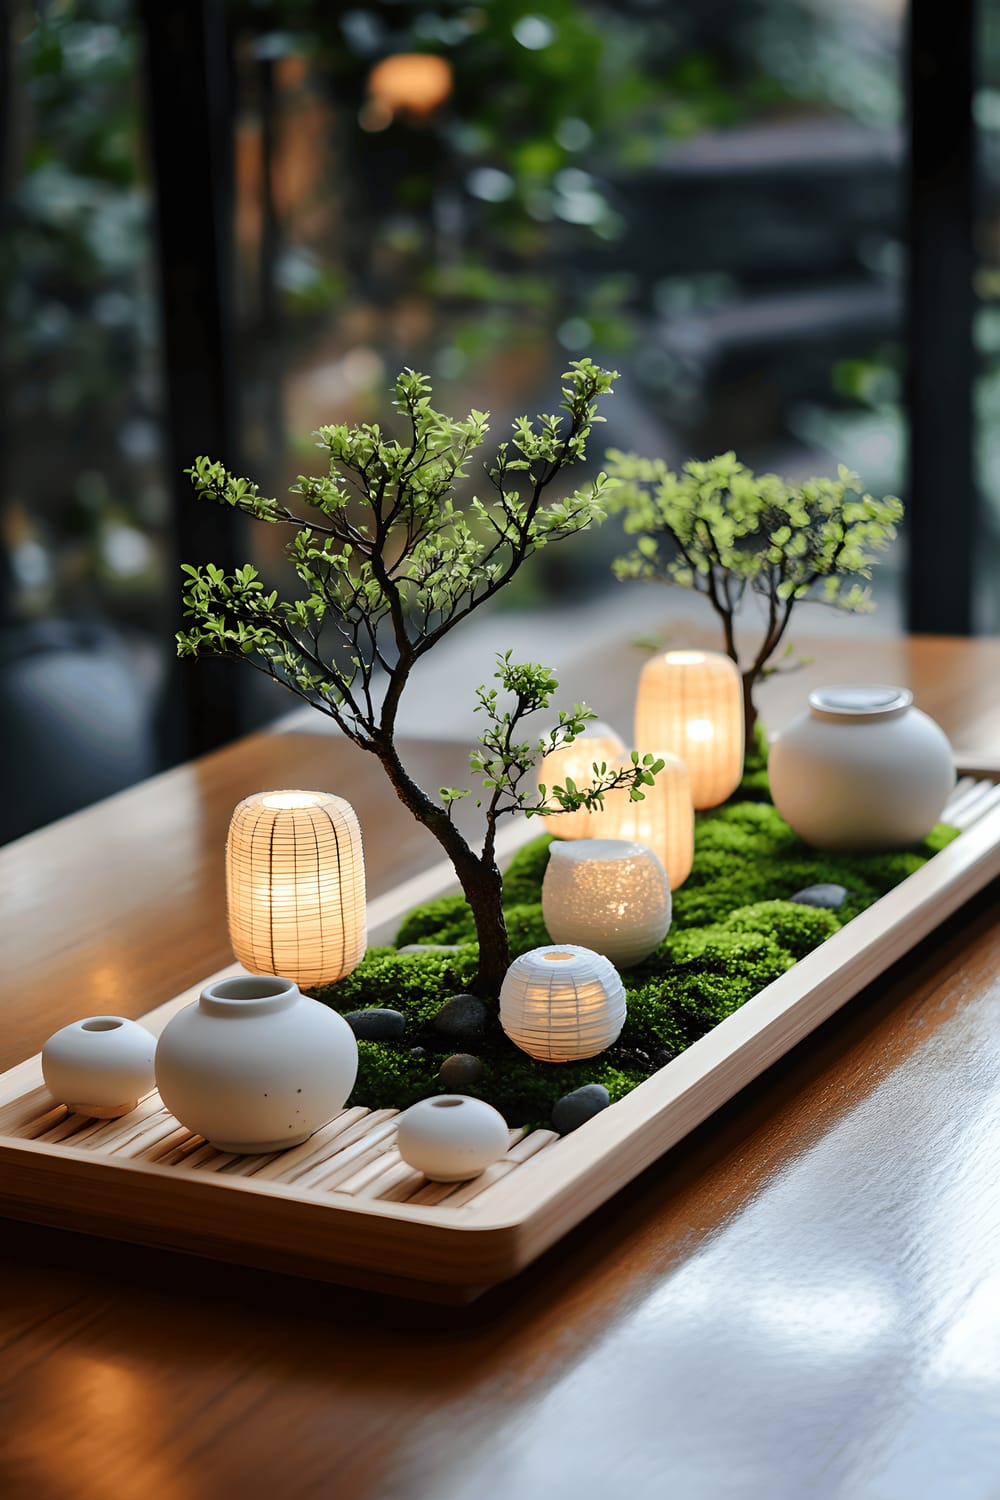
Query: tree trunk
[[478, 874], [749, 712], [483, 887]]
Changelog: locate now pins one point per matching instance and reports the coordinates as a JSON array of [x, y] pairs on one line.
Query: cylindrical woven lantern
[[663, 820], [295, 886], [691, 703], [612, 895], [599, 744], [562, 1003]]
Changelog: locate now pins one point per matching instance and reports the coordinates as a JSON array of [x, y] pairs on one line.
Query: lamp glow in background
[[412, 84], [691, 703], [599, 744], [562, 1003], [295, 886], [663, 820], [611, 895]]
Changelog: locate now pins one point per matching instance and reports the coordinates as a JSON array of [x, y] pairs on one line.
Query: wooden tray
[[344, 1207]]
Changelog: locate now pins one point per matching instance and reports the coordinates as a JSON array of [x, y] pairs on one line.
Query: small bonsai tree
[[390, 566], [722, 531]]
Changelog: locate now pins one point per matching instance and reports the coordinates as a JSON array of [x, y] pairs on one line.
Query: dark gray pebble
[[463, 1018], [829, 896], [376, 1025], [575, 1109], [418, 1052], [458, 1071]]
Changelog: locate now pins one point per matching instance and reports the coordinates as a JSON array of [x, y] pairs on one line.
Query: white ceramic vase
[[101, 1066], [254, 1065], [451, 1137], [611, 895], [862, 769]]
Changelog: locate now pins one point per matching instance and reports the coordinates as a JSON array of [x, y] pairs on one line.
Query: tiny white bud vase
[[862, 769], [611, 895], [254, 1065], [451, 1137], [101, 1066], [562, 1003]]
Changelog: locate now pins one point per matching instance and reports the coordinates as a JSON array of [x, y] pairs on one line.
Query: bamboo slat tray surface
[[344, 1207]]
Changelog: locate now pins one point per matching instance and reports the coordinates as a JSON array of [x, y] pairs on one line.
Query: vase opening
[[557, 958], [102, 1023], [860, 701], [249, 995], [447, 1103], [253, 987]]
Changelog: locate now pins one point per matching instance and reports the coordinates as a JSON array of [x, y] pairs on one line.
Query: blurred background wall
[[223, 224]]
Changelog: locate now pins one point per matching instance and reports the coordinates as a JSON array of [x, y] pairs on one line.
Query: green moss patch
[[734, 931]]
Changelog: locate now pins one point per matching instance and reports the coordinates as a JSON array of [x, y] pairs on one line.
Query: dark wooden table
[[801, 1300]]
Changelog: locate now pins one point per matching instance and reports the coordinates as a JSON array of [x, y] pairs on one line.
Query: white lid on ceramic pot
[[853, 701]]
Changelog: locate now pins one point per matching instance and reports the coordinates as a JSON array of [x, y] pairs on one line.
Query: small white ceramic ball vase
[[452, 1137], [101, 1066], [862, 769], [254, 1065], [562, 1003], [611, 895]]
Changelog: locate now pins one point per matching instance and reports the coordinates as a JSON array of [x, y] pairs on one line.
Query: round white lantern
[[611, 895], [452, 1137], [295, 886], [691, 703], [663, 820], [597, 746], [562, 1003]]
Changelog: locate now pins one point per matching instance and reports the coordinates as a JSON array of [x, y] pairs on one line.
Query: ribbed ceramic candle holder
[[562, 1002], [611, 895]]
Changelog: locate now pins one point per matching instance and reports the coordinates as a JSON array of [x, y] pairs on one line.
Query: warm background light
[[410, 83], [663, 820], [598, 745], [691, 703], [611, 895], [562, 1003], [295, 886]]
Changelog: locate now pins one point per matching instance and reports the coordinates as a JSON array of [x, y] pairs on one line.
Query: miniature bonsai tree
[[723, 531], [390, 566]]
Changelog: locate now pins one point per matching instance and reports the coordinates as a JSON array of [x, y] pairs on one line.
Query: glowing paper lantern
[[691, 703], [295, 886], [598, 745], [562, 1003], [663, 820], [612, 895]]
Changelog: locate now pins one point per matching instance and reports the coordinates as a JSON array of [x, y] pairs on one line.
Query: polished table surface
[[800, 1300]]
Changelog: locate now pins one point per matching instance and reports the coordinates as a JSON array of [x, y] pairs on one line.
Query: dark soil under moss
[[734, 930]]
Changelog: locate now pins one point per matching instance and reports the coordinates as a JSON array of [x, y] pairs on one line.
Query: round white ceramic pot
[[862, 769], [451, 1137], [611, 895], [101, 1066], [254, 1065]]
